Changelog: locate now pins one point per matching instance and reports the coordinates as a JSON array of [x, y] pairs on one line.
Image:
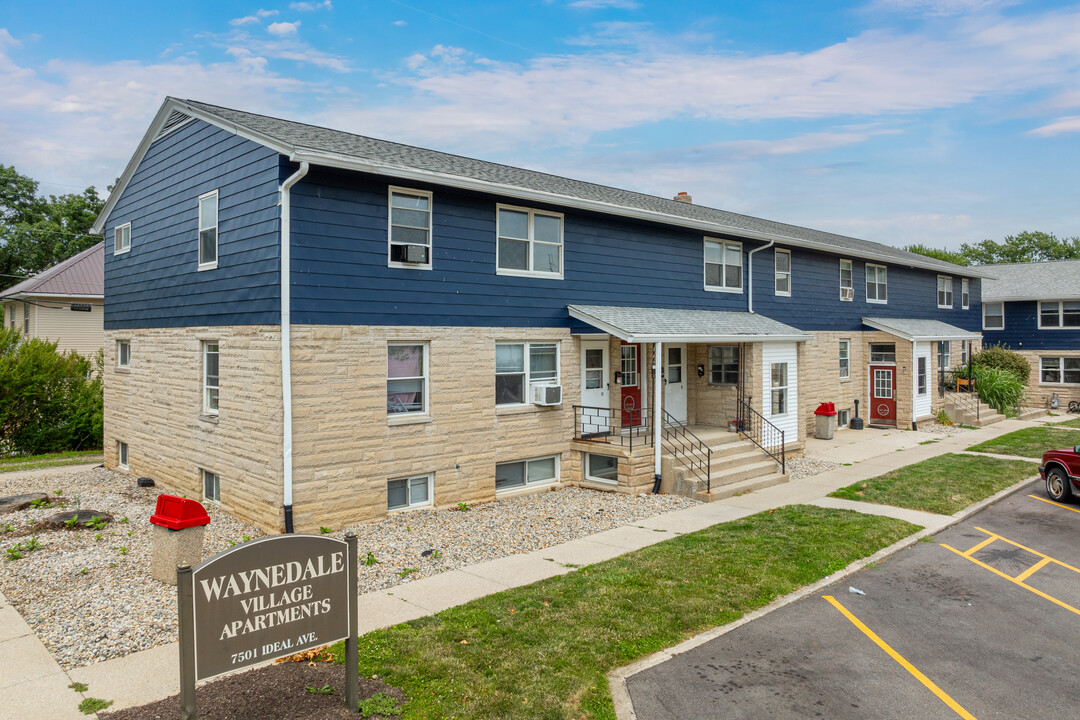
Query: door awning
[[916, 330], [645, 324]]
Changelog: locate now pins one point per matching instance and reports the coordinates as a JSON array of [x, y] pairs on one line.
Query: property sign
[[262, 600]]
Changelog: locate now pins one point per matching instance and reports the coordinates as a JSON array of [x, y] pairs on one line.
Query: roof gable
[[82, 274]]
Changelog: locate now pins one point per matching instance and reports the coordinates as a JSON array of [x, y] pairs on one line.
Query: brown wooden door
[[883, 394], [630, 366]]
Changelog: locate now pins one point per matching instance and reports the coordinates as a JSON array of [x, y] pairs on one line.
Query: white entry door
[[675, 381], [594, 387]]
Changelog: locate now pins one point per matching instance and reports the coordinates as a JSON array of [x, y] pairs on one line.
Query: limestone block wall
[[1037, 390], [346, 446], [715, 405], [156, 407]]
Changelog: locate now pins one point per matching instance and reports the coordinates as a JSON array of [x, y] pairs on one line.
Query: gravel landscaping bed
[[804, 467], [934, 428], [88, 594]]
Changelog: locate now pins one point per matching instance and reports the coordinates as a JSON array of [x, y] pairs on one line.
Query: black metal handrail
[[688, 448], [754, 427], [614, 426]]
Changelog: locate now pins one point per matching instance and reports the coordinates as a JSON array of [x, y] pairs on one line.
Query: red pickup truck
[[1060, 469]]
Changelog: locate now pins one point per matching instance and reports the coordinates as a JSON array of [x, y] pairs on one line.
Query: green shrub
[[1000, 357], [49, 401], [1000, 389]]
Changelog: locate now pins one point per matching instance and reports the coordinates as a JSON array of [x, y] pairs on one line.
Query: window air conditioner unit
[[547, 395], [416, 254], [847, 293]]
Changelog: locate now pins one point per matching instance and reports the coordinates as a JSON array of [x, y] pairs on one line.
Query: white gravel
[[934, 428], [804, 467], [88, 595]]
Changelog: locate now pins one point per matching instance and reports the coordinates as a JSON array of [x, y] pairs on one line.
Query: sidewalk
[[33, 685]]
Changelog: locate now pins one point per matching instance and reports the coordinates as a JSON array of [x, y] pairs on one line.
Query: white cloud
[[939, 8], [400, 23], [7, 39], [604, 4], [283, 29], [266, 13], [1068, 124], [241, 21], [311, 6]]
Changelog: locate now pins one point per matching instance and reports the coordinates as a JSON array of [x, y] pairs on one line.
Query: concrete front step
[[725, 459], [722, 492], [726, 476], [966, 416]]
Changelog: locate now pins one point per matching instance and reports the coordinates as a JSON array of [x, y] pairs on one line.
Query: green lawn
[[1030, 442], [543, 650], [1075, 423], [33, 462], [942, 485]]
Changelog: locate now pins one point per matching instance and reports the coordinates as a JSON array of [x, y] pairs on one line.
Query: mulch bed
[[274, 692]]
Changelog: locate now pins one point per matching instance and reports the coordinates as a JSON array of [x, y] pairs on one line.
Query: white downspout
[[750, 274], [286, 343], [658, 412]]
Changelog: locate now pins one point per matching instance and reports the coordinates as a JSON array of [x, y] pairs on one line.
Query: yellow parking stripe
[[942, 695], [1032, 570], [1051, 502], [1025, 548], [981, 545]]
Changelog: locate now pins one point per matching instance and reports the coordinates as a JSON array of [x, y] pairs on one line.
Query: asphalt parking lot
[[984, 622]]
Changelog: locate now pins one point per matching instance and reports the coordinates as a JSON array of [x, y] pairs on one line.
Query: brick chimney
[[683, 197]]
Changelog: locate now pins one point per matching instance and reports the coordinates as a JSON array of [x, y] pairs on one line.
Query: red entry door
[[630, 366], [883, 394]]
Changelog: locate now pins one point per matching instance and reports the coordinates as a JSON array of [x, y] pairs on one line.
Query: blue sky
[[934, 121]]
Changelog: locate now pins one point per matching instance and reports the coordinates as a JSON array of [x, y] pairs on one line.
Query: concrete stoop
[[738, 466], [964, 414], [1030, 413]]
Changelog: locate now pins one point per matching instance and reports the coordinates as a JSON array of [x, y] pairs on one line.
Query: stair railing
[[770, 439], [687, 448]]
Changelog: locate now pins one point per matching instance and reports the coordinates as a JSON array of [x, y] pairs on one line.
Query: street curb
[[620, 696]]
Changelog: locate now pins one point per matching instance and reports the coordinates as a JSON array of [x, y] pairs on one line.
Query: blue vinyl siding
[[815, 294], [157, 284], [1022, 331]]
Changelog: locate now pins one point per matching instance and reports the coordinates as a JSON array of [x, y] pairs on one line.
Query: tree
[[1028, 246], [37, 232]]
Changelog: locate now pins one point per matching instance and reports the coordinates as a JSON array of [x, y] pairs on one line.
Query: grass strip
[[943, 484], [543, 650], [1075, 423], [1030, 442], [61, 459]]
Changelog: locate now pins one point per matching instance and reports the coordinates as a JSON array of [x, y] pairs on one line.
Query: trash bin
[[826, 421], [179, 526]]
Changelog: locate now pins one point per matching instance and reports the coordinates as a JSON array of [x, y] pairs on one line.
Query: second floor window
[[944, 291], [410, 228], [406, 378], [993, 316], [723, 265], [530, 242], [782, 271], [122, 239], [210, 378], [876, 290], [965, 293], [208, 230], [847, 281], [1057, 314]]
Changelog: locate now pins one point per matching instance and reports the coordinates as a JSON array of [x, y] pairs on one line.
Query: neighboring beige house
[[64, 303]]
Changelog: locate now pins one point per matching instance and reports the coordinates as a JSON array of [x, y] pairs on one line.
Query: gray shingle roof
[[299, 136], [916, 329], [1056, 280], [645, 324], [81, 274]]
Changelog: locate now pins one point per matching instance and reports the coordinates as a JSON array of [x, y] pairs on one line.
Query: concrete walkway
[[33, 685]]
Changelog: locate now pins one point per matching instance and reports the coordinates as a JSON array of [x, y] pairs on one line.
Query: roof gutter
[[750, 276], [286, 344]]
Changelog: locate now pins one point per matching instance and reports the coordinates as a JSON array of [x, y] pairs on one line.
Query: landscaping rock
[[14, 503], [84, 518]]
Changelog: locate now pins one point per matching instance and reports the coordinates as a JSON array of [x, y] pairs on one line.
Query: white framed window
[[876, 284], [993, 316], [11, 312], [965, 293], [121, 239], [1059, 371], [519, 366], [123, 353], [843, 418], [723, 365], [210, 377], [122, 455], [883, 384], [1056, 314], [409, 492], [944, 291], [406, 378], [409, 231], [779, 388], [847, 281], [964, 352], [601, 468], [782, 272], [723, 265], [26, 318], [526, 473], [923, 373], [845, 359], [944, 354], [208, 230], [211, 483], [883, 352], [628, 364], [530, 242]]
